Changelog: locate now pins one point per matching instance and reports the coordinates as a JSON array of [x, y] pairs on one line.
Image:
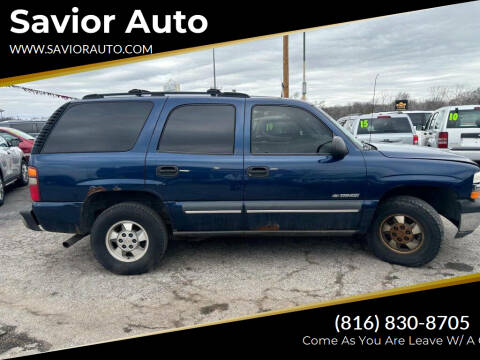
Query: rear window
[[419, 119], [98, 127], [384, 125], [464, 119], [199, 129]]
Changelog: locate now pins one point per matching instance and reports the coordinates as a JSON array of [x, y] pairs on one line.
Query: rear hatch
[[463, 127], [386, 129]]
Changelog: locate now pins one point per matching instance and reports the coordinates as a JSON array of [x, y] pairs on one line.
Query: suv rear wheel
[[129, 238], [406, 231]]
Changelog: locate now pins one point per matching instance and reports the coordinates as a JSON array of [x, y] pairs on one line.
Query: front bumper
[[469, 217]]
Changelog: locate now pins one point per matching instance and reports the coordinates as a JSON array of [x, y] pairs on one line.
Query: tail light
[[383, 117], [443, 140], [33, 182], [415, 139]]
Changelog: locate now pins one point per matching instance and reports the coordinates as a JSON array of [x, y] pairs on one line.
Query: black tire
[[23, 181], [428, 241], [144, 217], [2, 190]]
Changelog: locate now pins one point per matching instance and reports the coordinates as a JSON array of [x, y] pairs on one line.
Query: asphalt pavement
[[53, 298]]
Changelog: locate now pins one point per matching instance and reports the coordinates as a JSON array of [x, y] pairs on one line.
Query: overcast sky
[[412, 52]]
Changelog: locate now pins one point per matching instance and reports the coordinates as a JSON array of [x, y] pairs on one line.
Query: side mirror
[[339, 148]]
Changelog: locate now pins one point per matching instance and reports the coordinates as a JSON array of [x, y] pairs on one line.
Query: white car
[[390, 128], [13, 167], [456, 128]]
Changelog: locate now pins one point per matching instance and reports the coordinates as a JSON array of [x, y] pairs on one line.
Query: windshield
[[20, 133], [384, 125], [356, 142], [464, 119]]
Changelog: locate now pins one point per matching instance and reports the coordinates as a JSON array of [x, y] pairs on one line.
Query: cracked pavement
[[52, 298]]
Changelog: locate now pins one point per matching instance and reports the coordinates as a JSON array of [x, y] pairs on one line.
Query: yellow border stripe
[[467, 279]]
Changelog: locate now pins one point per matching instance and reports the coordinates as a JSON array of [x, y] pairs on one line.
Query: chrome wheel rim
[[2, 189], [402, 233], [127, 241], [24, 172]]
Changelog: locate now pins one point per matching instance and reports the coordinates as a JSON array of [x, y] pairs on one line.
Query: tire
[[113, 223], [413, 245], [2, 190], [23, 179]]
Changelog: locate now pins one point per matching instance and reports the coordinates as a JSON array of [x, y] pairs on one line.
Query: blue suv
[[136, 169]]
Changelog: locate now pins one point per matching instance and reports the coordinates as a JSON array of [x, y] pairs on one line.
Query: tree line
[[437, 98]]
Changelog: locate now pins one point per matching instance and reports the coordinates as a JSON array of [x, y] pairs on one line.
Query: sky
[[411, 52]]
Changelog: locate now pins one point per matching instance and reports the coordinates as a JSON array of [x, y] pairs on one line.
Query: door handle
[[166, 171], [258, 171]]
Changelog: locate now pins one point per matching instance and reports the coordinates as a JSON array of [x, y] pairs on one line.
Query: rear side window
[[464, 119], [98, 127], [384, 125], [199, 129]]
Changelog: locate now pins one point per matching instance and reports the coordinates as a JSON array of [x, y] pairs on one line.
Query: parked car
[[18, 138], [31, 127], [13, 167], [134, 170], [418, 117], [456, 128], [383, 128]]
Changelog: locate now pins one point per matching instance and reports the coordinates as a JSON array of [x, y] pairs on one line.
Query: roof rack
[[139, 92]]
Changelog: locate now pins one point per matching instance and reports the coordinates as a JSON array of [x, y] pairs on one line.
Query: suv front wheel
[[406, 231], [129, 238]]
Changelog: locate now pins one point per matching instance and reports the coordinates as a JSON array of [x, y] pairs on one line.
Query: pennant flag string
[[41, 92]]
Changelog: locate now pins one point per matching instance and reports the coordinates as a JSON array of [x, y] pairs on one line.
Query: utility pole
[[285, 84], [304, 84], [214, 75]]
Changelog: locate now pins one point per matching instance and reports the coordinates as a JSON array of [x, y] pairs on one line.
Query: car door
[[195, 163], [289, 185]]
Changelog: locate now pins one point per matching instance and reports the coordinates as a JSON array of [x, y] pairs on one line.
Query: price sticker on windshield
[[453, 117], [364, 123]]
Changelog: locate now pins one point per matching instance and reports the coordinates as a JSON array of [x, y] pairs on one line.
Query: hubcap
[[401, 233], [127, 241]]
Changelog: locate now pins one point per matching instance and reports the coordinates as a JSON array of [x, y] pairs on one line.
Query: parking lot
[[52, 298]]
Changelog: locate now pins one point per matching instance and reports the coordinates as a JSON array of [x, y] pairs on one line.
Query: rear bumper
[[54, 216], [469, 217], [30, 221]]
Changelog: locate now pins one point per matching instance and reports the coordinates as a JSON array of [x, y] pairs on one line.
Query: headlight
[[476, 178]]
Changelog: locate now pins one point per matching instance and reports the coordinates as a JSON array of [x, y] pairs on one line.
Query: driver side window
[[288, 130]]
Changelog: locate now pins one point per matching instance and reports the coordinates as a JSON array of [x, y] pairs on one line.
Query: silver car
[[383, 128], [456, 128], [13, 167]]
